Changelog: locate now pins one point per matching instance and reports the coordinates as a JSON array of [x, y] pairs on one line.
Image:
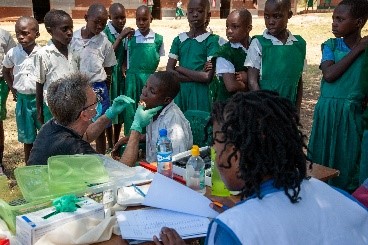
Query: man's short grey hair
[[67, 97]]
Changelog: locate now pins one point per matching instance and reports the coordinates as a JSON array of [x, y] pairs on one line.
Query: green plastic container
[[33, 181], [76, 170], [8, 211]]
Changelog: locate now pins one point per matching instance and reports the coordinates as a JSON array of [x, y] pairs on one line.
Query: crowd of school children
[[118, 60]]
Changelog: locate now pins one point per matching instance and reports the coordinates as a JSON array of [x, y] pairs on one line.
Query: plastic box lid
[[76, 170], [33, 181]]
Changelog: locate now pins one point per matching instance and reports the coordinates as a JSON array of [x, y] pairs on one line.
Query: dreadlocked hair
[[264, 128]]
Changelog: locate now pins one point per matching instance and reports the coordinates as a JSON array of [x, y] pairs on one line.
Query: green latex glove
[[143, 117], [118, 105]]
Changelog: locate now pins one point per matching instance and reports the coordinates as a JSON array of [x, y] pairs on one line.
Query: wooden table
[[321, 172], [318, 171]]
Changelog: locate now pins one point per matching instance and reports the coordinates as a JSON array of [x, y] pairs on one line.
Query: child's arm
[[331, 71], [253, 77], [198, 76], [299, 95], [108, 71], [171, 63], [39, 102], [235, 82], [130, 154], [127, 32], [9, 79]]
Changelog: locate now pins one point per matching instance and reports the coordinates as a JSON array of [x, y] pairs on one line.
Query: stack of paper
[[179, 207], [144, 224]]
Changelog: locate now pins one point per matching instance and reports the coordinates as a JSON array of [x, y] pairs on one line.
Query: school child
[[18, 68], [55, 60], [144, 51], [160, 90], [335, 140], [179, 10], [192, 50], [97, 58], [116, 34], [231, 56], [275, 60], [260, 152], [6, 43]]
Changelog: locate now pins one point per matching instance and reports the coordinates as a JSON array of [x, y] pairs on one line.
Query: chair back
[[198, 121]]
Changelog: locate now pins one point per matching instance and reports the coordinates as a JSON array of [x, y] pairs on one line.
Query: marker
[[137, 189], [220, 205]]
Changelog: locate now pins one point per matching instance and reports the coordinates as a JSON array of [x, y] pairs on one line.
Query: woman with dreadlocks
[[260, 152]]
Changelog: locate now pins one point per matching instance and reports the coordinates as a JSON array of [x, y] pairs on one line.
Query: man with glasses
[[73, 105]]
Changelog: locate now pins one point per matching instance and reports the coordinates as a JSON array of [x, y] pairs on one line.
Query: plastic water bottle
[[164, 154], [218, 186], [194, 174]]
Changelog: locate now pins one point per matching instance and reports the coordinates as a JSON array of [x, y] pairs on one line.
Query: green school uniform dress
[[143, 61], [282, 66], [193, 53], [335, 140], [117, 79], [237, 57], [363, 173]]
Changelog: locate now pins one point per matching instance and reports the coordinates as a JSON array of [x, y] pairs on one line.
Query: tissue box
[[32, 226]]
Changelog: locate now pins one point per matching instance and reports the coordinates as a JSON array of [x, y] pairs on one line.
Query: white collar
[[37, 47], [184, 36], [51, 46], [290, 38], [112, 29], [151, 34], [78, 35], [166, 108]]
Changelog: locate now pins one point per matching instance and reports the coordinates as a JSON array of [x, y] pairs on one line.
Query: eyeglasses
[[98, 99]]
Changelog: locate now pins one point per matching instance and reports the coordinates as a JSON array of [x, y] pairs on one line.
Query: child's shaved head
[[114, 7], [168, 82], [95, 9], [285, 4], [30, 21], [143, 9]]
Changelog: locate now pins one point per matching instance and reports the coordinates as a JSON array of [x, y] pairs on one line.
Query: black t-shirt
[[55, 139]]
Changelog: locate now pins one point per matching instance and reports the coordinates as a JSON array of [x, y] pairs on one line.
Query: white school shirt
[[322, 216], [51, 65], [150, 38], [6, 43], [112, 29], [23, 68], [254, 55], [178, 131], [225, 66], [95, 54]]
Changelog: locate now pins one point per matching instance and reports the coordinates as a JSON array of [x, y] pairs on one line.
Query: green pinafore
[[335, 140], [237, 57], [193, 55], [143, 61], [282, 67], [117, 81]]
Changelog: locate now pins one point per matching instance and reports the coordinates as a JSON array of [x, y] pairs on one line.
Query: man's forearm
[[130, 155]]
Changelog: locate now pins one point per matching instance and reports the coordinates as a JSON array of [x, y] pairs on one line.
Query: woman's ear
[[360, 23]]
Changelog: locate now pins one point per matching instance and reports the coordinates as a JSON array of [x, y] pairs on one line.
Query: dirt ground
[[314, 28]]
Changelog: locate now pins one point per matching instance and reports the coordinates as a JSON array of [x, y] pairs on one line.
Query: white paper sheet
[[145, 223], [168, 194]]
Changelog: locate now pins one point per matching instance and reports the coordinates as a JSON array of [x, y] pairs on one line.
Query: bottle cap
[[195, 150], [162, 132]]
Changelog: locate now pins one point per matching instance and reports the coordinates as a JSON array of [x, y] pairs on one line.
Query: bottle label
[[164, 157]]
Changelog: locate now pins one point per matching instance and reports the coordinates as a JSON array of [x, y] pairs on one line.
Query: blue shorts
[[26, 118], [100, 88], [4, 92]]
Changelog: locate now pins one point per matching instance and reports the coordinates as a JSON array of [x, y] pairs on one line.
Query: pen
[[137, 189], [218, 204]]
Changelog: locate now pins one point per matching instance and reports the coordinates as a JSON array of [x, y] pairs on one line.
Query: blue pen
[[137, 189]]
